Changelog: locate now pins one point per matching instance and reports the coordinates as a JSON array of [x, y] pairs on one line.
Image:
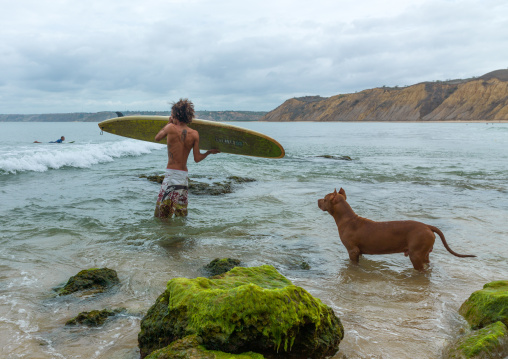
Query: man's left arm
[[198, 156]]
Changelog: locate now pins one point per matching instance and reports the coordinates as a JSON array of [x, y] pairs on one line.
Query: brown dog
[[363, 236]]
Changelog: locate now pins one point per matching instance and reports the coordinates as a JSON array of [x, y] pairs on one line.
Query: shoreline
[[444, 121]]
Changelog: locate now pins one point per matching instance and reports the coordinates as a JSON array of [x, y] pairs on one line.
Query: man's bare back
[[181, 139]]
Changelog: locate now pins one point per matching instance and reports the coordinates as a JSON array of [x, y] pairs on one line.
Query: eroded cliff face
[[483, 99]]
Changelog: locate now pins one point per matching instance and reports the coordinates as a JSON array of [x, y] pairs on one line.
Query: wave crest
[[46, 157]]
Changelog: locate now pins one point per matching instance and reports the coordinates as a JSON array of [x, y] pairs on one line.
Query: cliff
[[479, 99]]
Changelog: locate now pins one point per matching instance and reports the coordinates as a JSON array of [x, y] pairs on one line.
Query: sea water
[[73, 206]]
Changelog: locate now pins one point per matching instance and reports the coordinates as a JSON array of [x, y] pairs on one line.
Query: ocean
[[73, 206]]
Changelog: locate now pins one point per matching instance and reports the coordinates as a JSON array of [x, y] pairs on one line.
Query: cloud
[[67, 56]]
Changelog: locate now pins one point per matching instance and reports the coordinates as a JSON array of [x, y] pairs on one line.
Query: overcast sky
[[96, 55]]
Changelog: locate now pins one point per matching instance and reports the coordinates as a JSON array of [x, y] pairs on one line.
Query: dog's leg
[[418, 260], [354, 254]]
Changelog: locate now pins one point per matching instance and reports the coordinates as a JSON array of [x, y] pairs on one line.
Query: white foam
[[41, 158]]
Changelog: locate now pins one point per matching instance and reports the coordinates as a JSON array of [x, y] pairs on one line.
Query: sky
[[59, 56]]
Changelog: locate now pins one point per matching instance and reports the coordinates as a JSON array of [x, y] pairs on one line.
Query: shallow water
[[68, 207]]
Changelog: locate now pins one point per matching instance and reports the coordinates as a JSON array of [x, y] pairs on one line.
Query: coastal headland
[[478, 99]]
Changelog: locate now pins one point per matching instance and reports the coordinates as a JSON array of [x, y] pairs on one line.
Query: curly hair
[[183, 110]]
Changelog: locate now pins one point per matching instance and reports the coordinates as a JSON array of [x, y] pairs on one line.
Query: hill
[[104, 115], [477, 99]]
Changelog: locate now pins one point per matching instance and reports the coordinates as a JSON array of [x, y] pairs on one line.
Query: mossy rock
[[202, 188], [95, 279], [341, 158], [488, 342], [220, 266], [238, 179], [93, 318], [487, 306], [190, 348], [244, 310], [214, 189]]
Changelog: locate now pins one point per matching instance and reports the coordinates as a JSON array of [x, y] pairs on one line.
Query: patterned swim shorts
[[173, 196]]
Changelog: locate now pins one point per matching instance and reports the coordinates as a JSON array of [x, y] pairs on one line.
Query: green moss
[[220, 266], [93, 318], [190, 348], [487, 306], [489, 342], [98, 279], [246, 309], [274, 312]]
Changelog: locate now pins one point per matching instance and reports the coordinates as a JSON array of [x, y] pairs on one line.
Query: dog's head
[[331, 199]]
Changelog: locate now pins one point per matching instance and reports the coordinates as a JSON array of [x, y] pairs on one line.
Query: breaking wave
[[45, 157]]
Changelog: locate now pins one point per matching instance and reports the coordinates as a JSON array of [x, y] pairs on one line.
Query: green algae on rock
[[488, 342], [190, 348], [244, 310], [96, 279], [93, 318], [486, 306], [220, 266]]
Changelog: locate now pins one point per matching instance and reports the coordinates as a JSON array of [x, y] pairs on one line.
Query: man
[[60, 140], [181, 140]]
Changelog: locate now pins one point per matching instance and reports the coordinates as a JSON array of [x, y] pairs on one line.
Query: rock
[[153, 178], [244, 310], [203, 188], [220, 266], [488, 342], [214, 189], [342, 158], [241, 179], [304, 265], [95, 279], [487, 306], [93, 318], [190, 348]]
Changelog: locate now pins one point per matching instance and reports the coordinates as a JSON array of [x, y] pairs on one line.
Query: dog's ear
[[335, 193], [342, 192]]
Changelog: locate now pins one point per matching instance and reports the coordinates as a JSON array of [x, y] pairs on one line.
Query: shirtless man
[[173, 196]]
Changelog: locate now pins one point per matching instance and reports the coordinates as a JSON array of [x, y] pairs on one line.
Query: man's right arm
[[162, 133]]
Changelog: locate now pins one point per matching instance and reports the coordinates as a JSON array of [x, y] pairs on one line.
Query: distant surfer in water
[[60, 140], [173, 196]]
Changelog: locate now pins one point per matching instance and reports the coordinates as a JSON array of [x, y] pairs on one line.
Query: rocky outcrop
[[486, 311], [93, 318], [220, 266], [202, 188], [190, 348], [244, 310], [488, 342], [482, 99], [487, 306], [92, 280]]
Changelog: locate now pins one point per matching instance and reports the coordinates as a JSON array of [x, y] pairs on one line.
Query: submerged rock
[[244, 310], [220, 266], [95, 279], [341, 158], [93, 318], [190, 348], [202, 188], [214, 189], [488, 342], [487, 306]]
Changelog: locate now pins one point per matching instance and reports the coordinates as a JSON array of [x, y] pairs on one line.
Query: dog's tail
[[436, 230]]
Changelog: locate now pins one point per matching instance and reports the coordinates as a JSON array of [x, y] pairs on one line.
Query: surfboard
[[212, 135]]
